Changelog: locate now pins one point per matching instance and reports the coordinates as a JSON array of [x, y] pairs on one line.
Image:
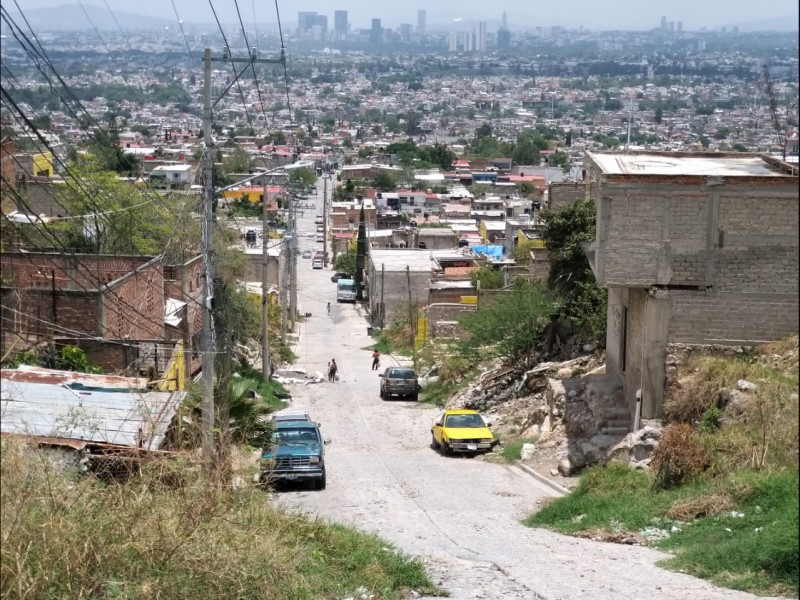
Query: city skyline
[[626, 15]]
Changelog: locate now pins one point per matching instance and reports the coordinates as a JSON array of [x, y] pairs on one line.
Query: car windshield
[[294, 436], [464, 421], [347, 286], [402, 374]]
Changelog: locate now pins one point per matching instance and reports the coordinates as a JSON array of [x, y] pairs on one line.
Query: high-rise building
[[504, 39], [480, 44], [321, 21], [421, 18], [340, 23], [376, 33], [672, 26], [406, 30], [664, 24], [504, 35], [452, 42], [306, 20], [680, 26]]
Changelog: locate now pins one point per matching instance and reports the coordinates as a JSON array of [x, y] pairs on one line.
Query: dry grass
[[699, 506], [679, 457], [76, 537]]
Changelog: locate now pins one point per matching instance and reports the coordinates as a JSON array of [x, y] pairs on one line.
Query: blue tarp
[[492, 251]]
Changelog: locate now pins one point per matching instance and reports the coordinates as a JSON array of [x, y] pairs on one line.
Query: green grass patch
[[438, 392], [79, 538], [385, 345], [266, 389], [757, 552], [513, 451]]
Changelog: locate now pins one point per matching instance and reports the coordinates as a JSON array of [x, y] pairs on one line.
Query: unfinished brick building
[[693, 248]]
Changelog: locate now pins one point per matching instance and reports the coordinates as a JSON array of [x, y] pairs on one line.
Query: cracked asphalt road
[[460, 516]]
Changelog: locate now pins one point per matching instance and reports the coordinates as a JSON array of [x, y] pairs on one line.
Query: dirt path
[[460, 516]]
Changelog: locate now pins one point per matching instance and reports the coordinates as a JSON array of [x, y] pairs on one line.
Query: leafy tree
[[413, 120], [303, 176], [513, 324], [526, 188], [384, 182], [568, 140], [571, 276], [345, 262], [612, 104], [119, 219], [239, 161], [361, 254], [365, 151], [559, 159], [442, 156], [483, 131], [704, 141], [491, 279], [659, 116]]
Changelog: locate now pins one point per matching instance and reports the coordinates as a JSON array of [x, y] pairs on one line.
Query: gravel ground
[[460, 516]]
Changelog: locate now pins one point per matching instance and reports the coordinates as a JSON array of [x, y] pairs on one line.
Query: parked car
[[320, 238], [306, 253], [463, 431], [399, 381], [430, 376], [296, 453], [318, 220], [317, 263], [337, 276]]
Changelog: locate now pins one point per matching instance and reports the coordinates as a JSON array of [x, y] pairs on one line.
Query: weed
[[700, 506], [80, 538], [513, 451], [710, 419], [679, 457]]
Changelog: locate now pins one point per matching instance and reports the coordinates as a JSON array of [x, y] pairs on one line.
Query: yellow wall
[[43, 163], [174, 377], [484, 236]]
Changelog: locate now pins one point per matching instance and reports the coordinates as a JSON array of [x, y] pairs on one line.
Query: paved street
[[460, 515]]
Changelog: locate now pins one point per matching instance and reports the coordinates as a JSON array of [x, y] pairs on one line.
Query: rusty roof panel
[[80, 406]]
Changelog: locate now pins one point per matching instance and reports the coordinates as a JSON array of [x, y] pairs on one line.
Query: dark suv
[[399, 381], [297, 453]]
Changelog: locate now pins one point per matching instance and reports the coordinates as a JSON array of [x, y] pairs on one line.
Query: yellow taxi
[[461, 430]]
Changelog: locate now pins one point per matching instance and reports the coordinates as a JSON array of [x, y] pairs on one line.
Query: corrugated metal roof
[[80, 406]]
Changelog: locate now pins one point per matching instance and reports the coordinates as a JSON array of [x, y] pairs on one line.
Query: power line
[[88, 18], [233, 67], [285, 75], [253, 65], [180, 24]]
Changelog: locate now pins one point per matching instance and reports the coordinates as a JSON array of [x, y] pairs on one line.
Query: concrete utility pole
[[265, 366], [209, 342], [325, 178]]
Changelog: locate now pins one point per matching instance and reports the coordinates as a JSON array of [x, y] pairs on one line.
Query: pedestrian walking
[[332, 369], [376, 360]]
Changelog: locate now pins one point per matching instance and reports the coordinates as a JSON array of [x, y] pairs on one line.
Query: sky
[[591, 14]]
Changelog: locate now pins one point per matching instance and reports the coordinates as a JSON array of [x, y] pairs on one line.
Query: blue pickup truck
[[297, 453]]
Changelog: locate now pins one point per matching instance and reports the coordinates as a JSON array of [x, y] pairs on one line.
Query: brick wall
[[133, 307], [443, 319]]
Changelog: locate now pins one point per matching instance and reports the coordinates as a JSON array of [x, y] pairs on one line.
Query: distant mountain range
[[72, 18]]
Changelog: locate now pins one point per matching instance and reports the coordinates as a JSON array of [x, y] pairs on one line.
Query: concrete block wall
[[564, 194], [539, 268], [395, 294], [726, 318]]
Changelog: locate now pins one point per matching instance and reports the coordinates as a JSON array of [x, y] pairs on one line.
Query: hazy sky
[[591, 14]]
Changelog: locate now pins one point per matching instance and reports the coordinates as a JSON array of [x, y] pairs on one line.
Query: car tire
[[446, 450], [321, 483], [382, 394], [434, 445], [415, 398]]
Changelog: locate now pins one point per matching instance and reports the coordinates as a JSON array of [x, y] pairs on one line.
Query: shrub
[[679, 457], [710, 419]]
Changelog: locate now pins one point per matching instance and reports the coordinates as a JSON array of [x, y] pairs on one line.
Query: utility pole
[[325, 178], [209, 342], [265, 366], [382, 309], [292, 259], [411, 335], [630, 106]]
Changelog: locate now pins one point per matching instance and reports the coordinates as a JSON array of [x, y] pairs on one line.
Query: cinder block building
[[693, 248]]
